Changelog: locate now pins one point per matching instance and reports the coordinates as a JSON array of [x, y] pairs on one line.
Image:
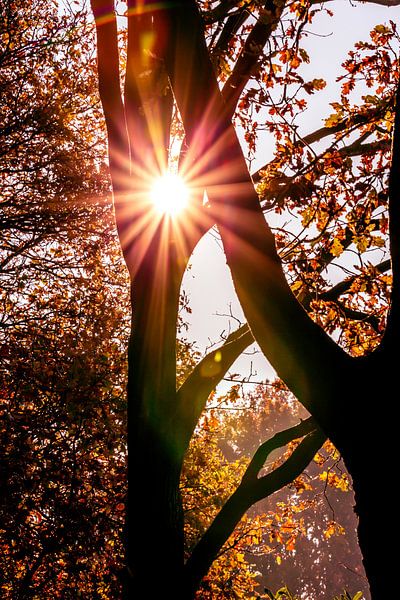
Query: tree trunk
[[154, 512]]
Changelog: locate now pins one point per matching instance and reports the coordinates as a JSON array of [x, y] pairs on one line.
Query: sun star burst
[[169, 194]]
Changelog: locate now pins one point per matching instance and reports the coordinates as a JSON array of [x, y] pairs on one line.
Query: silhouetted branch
[[113, 108], [251, 490], [230, 28], [221, 11], [351, 123], [249, 58], [193, 393], [109, 88], [343, 286]]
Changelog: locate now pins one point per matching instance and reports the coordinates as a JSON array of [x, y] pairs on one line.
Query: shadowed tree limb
[[148, 98], [344, 286], [352, 122], [194, 392], [110, 96], [230, 28], [248, 61], [251, 490], [221, 11]]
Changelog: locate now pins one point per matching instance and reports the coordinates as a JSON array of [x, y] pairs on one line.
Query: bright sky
[[208, 282]]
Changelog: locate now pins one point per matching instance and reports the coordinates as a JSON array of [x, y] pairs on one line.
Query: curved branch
[[343, 286], [114, 112], [280, 439], [194, 392], [110, 91], [251, 490], [232, 25], [325, 258], [249, 58], [221, 11]]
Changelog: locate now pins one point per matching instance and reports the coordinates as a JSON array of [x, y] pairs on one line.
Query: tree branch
[[248, 61], [253, 489], [193, 393], [352, 122], [325, 258], [220, 11], [343, 286], [232, 25], [114, 112], [110, 91]]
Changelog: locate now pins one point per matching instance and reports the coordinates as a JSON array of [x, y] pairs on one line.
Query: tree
[[170, 42], [47, 422], [62, 420]]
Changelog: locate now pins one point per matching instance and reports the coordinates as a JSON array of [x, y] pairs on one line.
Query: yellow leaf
[[336, 248]]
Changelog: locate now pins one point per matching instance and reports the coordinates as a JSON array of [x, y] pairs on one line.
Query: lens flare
[[169, 194]]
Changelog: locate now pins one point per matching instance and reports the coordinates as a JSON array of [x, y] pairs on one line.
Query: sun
[[169, 194]]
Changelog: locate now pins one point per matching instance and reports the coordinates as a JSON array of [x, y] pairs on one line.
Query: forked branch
[[251, 490]]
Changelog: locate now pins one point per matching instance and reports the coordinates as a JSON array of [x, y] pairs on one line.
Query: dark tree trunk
[[155, 521], [333, 386]]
